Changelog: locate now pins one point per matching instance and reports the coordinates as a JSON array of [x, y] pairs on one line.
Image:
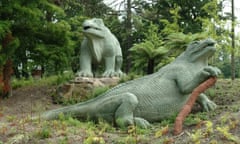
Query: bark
[[6, 70], [150, 67], [233, 44], [188, 106], [129, 33], [7, 73]]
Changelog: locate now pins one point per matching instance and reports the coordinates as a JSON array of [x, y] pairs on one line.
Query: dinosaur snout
[[210, 42]]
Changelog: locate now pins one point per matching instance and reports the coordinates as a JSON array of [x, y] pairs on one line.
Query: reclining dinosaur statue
[[154, 97], [99, 45]]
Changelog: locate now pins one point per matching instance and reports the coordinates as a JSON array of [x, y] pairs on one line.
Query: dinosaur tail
[[80, 110]]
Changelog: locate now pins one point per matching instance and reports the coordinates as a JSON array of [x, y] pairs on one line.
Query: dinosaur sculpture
[[99, 44], [153, 97]]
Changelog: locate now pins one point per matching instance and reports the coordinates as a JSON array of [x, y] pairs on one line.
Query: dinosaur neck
[[97, 49]]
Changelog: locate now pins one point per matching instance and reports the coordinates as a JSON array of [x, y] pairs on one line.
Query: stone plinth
[[80, 88]]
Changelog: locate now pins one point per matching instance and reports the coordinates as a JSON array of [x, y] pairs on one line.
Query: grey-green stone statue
[[154, 97], [99, 45]]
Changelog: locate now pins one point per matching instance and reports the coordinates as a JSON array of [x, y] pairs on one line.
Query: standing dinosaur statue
[[98, 45], [153, 97]]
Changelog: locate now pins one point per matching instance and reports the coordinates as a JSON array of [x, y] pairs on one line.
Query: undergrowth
[[220, 126], [50, 80]]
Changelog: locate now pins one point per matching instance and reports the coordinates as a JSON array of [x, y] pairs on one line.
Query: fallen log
[[189, 104]]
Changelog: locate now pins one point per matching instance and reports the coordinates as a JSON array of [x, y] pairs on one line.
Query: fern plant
[[149, 52]]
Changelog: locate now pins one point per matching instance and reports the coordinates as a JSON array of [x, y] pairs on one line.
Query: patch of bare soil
[[27, 100], [24, 102], [219, 126]]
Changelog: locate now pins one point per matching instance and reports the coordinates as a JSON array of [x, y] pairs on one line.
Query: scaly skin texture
[[99, 45], [154, 97]]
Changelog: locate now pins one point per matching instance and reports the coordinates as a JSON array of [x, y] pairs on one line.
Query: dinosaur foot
[[142, 123], [84, 74]]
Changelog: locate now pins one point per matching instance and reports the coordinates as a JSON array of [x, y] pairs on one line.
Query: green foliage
[[178, 42], [97, 91], [219, 126], [9, 44], [128, 77], [171, 26], [51, 80], [151, 49], [226, 134], [44, 133], [8, 51], [49, 32], [4, 29], [162, 52]]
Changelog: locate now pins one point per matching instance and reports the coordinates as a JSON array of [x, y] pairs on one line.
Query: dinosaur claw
[[84, 74], [142, 123]]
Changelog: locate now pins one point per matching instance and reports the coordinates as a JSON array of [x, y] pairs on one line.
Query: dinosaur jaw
[[93, 32], [204, 50], [91, 29]]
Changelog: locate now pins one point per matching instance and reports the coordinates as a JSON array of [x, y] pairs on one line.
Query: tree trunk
[[7, 73], [1, 81], [150, 66], [233, 44], [129, 35], [6, 69]]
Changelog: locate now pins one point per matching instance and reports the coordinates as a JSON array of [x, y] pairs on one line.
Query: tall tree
[[7, 47], [233, 43], [129, 33], [24, 26], [39, 27]]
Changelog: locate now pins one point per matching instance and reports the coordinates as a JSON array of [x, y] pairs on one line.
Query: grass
[[220, 126], [51, 80]]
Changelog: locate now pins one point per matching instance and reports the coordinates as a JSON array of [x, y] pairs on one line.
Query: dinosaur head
[[94, 28], [200, 50]]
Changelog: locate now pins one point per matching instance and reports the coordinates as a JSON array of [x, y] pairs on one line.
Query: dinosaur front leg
[[186, 83], [85, 64], [109, 64]]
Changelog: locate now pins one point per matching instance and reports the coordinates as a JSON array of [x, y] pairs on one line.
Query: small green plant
[[130, 76], [162, 131], [127, 140], [44, 133], [209, 128], [73, 122], [51, 80], [192, 119], [98, 91], [227, 135], [211, 92], [196, 136], [11, 118], [63, 140], [93, 138], [103, 126]]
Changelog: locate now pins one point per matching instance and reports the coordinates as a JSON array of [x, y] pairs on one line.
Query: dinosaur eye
[[194, 43]]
